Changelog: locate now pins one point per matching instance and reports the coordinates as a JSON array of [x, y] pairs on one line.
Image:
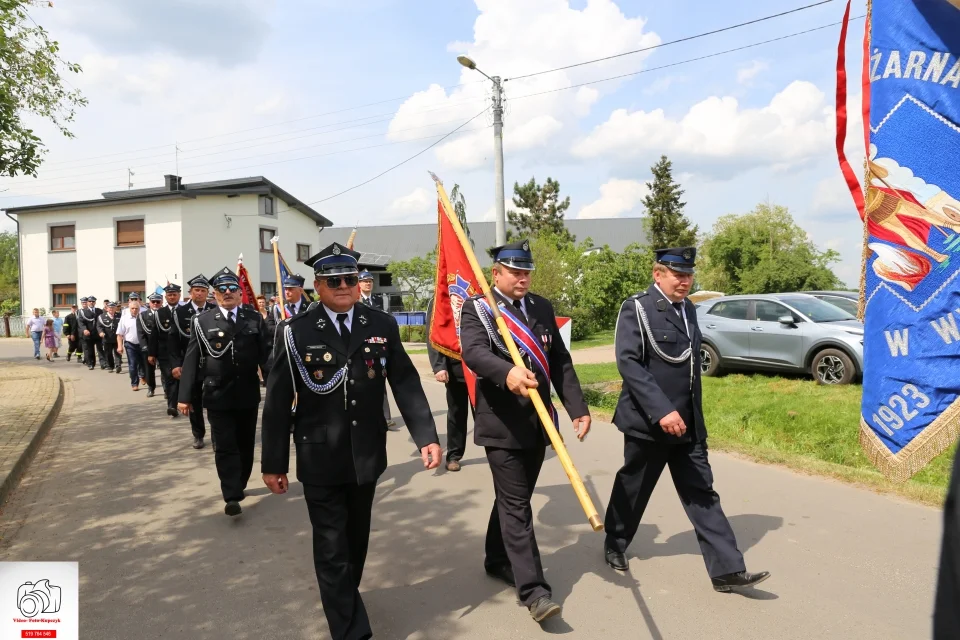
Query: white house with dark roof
[[138, 239]]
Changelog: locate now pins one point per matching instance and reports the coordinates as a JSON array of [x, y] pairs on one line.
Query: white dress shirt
[[229, 314], [333, 317], [128, 329], [523, 301]]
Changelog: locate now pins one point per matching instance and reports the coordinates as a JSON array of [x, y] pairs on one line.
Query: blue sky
[[242, 86]]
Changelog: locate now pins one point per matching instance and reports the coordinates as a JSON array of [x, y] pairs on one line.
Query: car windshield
[[848, 305], [818, 310]]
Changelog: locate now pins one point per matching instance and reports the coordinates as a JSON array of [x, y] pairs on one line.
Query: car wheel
[[832, 366], [709, 361]]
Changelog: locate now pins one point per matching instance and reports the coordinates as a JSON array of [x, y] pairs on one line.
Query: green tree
[[416, 278], [667, 225], [9, 274], [764, 251], [460, 208], [608, 278], [30, 85], [555, 277], [543, 210]]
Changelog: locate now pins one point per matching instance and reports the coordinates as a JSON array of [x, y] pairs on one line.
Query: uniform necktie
[[344, 332], [230, 317], [678, 306], [290, 309]]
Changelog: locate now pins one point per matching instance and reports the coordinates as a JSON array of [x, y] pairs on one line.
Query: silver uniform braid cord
[[293, 357], [143, 324], [683, 357]]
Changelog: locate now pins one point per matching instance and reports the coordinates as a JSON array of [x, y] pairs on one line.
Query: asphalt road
[[117, 487]]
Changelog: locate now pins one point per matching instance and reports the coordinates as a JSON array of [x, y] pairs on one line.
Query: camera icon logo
[[34, 598]]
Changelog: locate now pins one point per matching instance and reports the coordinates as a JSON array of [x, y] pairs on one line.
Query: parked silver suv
[[791, 332]]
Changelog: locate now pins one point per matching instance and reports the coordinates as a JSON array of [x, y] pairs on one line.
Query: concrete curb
[[12, 478]]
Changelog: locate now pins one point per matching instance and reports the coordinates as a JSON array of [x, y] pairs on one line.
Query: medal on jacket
[[327, 357], [370, 372], [383, 366]]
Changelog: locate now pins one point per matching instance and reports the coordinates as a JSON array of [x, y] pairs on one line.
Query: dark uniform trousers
[[234, 434], [149, 370], [340, 445], [510, 537], [508, 429], [653, 388], [458, 405]]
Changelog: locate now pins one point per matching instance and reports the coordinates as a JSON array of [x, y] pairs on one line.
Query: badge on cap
[[687, 254], [336, 250]]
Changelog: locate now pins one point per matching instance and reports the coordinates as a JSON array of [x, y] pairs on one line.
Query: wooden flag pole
[[275, 241], [565, 461]]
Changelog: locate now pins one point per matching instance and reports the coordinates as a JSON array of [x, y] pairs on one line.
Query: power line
[[682, 62], [665, 44], [400, 164]]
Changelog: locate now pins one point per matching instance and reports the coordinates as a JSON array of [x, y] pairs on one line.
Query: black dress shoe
[[233, 508], [172, 412], [68, 357], [543, 608], [740, 579], [501, 572], [150, 393], [615, 559], [198, 444]]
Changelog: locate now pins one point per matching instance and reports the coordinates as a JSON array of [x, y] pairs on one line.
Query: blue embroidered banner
[[910, 410]]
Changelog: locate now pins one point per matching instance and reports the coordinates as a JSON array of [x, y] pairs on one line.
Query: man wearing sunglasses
[[327, 387], [227, 347], [177, 342]]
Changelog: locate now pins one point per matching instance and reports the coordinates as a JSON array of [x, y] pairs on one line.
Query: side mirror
[[786, 320]]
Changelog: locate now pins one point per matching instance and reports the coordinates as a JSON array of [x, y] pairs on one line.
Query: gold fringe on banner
[[932, 441]]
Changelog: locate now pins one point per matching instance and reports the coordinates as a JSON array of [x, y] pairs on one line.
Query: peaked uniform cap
[[516, 255], [198, 281], [679, 259], [333, 260]]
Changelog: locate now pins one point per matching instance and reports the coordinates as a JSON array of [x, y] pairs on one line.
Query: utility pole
[[498, 160], [130, 175], [501, 226]]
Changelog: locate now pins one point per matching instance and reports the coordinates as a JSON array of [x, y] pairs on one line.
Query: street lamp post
[[497, 148]]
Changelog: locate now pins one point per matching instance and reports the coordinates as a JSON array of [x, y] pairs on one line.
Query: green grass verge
[[789, 421], [413, 352], [599, 339]]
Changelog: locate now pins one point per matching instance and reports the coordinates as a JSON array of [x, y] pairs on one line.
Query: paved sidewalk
[[30, 400]]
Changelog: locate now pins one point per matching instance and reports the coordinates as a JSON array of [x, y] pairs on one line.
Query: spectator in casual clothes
[[49, 338], [35, 331], [57, 331], [129, 341]]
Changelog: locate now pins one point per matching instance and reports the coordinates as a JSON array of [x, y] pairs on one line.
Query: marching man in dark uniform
[[177, 341], [146, 327], [107, 332], [449, 371], [326, 386], [87, 323], [506, 423], [293, 297], [367, 300], [159, 346], [227, 346], [70, 331], [660, 415]]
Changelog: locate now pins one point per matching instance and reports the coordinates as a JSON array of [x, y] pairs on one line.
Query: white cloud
[[617, 197], [716, 135], [416, 202], [526, 37], [746, 75]]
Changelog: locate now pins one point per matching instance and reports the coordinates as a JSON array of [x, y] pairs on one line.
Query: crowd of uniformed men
[[326, 366]]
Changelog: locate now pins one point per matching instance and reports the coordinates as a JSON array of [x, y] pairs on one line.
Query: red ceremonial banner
[[246, 289], [455, 283]]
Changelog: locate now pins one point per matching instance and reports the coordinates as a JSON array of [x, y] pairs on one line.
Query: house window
[[128, 287], [265, 236], [303, 252], [266, 206], [64, 295], [129, 233], [62, 238], [386, 279], [268, 289]]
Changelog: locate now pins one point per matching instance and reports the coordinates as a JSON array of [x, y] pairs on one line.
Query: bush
[[584, 324], [413, 333], [601, 399]]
